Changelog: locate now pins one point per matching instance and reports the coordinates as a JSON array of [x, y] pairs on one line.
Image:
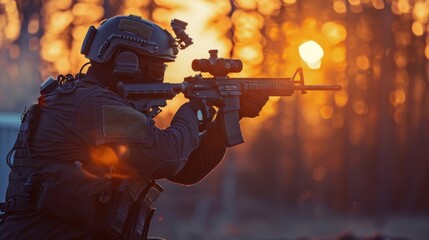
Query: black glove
[[205, 112], [251, 104]]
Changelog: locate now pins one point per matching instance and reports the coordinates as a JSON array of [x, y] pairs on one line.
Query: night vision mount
[[182, 39]]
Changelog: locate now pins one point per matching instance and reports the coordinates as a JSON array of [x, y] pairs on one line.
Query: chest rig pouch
[[131, 208]]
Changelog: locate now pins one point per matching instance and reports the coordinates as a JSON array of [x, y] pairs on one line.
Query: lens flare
[[104, 155]]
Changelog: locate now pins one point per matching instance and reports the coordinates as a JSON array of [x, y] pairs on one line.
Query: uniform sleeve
[[139, 147], [203, 159], [166, 151]]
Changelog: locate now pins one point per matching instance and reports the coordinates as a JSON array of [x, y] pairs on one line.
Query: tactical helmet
[[130, 33]]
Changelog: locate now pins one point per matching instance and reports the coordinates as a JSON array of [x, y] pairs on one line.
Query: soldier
[[85, 161]]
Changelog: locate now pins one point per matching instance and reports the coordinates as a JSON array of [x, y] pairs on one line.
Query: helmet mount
[[182, 38]]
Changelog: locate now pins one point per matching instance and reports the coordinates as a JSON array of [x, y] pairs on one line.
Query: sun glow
[[311, 52]]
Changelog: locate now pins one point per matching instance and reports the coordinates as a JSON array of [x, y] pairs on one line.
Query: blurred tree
[[20, 55]]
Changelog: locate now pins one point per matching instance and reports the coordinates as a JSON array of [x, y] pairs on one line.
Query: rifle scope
[[217, 66]]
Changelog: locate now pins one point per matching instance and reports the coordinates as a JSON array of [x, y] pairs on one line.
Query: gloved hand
[[205, 112], [251, 104]]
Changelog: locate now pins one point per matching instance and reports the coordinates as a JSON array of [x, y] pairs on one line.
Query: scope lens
[[202, 65]]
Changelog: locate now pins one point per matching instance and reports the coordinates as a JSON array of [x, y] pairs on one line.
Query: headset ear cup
[[126, 65]]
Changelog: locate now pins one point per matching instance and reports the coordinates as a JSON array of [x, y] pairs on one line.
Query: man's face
[[151, 70]]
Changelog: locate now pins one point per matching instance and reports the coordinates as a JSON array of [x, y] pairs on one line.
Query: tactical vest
[[18, 198], [122, 208]]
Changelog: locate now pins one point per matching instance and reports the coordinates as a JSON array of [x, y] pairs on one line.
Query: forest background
[[322, 164]]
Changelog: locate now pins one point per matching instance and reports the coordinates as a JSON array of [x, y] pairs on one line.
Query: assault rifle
[[149, 98]]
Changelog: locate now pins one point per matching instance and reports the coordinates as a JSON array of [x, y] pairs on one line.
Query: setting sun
[[311, 52]]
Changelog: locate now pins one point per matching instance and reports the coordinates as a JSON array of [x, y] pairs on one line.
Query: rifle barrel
[[316, 87]]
